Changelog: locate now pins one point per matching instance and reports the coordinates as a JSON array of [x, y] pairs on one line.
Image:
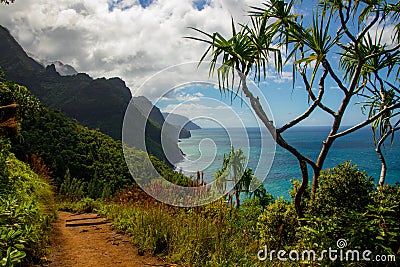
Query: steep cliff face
[[95, 103], [181, 121], [171, 132], [175, 131]]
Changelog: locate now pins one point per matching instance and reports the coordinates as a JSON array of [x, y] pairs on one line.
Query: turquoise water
[[357, 147]]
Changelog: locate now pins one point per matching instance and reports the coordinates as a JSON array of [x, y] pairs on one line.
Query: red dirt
[[92, 245]]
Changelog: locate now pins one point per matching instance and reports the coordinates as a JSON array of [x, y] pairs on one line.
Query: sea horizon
[[357, 147]]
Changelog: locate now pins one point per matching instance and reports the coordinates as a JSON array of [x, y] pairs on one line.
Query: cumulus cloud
[[206, 115], [182, 96], [127, 38]]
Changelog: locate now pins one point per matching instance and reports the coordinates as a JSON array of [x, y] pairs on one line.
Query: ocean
[[205, 149]]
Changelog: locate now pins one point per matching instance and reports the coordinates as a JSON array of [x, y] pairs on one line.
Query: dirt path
[[87, 240]]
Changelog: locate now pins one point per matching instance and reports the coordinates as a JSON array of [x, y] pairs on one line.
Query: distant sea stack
[[181, 121], [96, 103]]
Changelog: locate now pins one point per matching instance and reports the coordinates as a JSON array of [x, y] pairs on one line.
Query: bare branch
[[381, 156], [9, 106], [312, 95], [368, 27], [349, 4], [326, 65], [343, 22], [310, 109], [366, 122], [386, 135], [255, 104], [358, 89]]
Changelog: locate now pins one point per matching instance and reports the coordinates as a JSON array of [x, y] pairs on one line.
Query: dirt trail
[[87, 240]]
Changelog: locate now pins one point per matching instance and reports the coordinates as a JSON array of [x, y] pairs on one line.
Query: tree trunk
[[383, 164], [237, 196], [301, 190], [303, 161]]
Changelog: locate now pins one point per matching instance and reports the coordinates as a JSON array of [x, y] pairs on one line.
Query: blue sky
[[198, 4], [135, 39], [208, 107], [285, 103]]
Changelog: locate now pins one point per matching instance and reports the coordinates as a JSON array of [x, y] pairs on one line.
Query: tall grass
[[213, 235], [220, 235]]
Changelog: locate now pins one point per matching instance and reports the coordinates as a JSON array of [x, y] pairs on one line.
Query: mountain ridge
[[180, 121], [96, 103]]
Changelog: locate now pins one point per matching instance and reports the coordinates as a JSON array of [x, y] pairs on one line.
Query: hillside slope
[[95, 103]]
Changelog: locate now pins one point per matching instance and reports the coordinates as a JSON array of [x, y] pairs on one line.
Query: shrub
[[342, 189], [346, 206], [25, 199], [277, 225]]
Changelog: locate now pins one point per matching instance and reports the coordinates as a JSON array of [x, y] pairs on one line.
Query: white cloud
[[182, 97], [130, 41], [385, 31], [212, 114], [284, 77]]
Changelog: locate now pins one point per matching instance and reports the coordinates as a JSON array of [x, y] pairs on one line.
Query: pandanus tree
[[342, 45], [233, 172], [385, 126]]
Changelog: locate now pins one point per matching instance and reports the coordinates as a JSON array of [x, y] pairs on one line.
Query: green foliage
[[94, 187], [342, 189], [64, 144], [87, 205], [386, 202], [262, 196], [204, 236], [233, 172], [72, 188], [277, 225], [95, 162], [12, 93], [367, 67], [10, 110], [347, 206], [25, 211], [388, 196], [170, 175], [218, 235]]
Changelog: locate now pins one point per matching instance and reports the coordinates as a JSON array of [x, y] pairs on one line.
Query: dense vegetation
[[25, 193], [221, 235], [25, 210], [81, 162], [87, 163], [352, 46], [89, 170], [77, 157], [95, 103]]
